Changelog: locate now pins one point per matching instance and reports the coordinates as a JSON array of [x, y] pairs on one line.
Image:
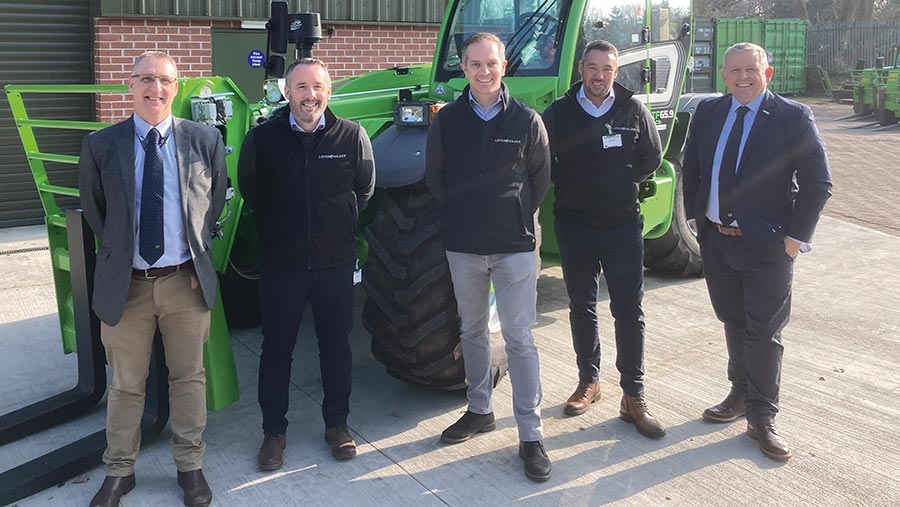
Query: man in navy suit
[[755, 181]]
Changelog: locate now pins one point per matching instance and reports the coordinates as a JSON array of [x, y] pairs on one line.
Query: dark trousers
[[619, 251], [283, 296], [753, 299]]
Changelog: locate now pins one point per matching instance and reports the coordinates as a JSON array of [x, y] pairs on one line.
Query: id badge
[[612, 141]]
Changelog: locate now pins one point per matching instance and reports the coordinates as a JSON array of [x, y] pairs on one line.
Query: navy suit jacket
[[783, 179]]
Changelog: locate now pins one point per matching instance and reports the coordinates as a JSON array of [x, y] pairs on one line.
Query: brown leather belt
[[726, 230], [154, 273]]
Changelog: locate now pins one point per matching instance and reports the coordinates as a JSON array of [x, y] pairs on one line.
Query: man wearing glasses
[[152, 188]]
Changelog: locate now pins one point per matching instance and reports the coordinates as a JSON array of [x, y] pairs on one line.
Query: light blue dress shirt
[[589, 106], [712, 211], [177, 249], [296, 126], [492, 110]]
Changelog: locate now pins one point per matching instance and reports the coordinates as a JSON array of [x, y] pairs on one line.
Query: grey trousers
[[515, 288]]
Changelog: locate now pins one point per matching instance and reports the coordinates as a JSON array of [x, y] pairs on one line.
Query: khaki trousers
[[183, 320]]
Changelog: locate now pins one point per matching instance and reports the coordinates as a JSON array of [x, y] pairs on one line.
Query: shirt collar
[[753, 105], [473, 102], [608, 100], [296, 126], [141, 127]]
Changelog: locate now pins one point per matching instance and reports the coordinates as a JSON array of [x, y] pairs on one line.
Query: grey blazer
[[106, 181]]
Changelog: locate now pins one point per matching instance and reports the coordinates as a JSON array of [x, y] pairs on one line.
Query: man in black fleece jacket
[[604, 143], [488, 163], [306, 173]]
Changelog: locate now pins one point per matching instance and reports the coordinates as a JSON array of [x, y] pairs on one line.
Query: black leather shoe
[[469, 425], [537, 463], [196, 490], [112, 490], [770, 442], [731, 409], [271, 452]]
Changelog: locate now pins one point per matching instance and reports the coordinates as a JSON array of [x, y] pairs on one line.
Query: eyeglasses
[[148, 79]]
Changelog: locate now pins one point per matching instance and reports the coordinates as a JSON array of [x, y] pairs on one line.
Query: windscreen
[[530, 29]]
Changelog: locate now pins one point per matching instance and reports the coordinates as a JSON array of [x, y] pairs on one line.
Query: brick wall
[[355, 49]]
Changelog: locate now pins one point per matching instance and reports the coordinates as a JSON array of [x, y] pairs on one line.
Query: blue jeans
[[515, 289], [283, 296]]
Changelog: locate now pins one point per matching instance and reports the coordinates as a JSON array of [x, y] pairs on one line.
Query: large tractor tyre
[[675, 253], [410, 308], [240, 298]]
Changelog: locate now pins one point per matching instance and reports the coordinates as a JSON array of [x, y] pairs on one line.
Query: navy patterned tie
[[152, 244], [728, 168]]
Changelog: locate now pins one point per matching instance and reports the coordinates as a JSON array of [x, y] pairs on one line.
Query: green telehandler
[[876, 90]]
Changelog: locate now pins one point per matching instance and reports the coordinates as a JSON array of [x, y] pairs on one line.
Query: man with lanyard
[[604, 143], [488, 162]]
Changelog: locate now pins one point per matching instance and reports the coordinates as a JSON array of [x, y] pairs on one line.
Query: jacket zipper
[[308, 213]]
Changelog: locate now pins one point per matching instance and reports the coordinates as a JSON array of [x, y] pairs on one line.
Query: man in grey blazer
[[152, 188]]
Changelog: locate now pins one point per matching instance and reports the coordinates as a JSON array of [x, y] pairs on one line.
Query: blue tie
[[152, 244], [728, 168]]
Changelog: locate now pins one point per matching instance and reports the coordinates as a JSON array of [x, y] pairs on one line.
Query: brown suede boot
[[633, 409], [271, 453], [342, 444]]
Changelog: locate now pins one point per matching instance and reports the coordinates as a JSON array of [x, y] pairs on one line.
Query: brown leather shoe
[[633, 409], [770, 442], [271, 453], [342, 444], [581, 399], [112, 490], [196, 490], [731, 409]]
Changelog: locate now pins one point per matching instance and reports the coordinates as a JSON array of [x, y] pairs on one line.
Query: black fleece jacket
[[593, 185], [490, 177], [306, 201]]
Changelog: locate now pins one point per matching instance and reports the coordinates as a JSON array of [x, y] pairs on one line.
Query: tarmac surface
[[839, 412]]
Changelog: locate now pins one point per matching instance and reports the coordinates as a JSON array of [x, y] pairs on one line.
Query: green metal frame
[[222, 388]]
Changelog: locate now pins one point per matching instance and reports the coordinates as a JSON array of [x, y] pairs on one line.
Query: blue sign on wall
[[256, 58]]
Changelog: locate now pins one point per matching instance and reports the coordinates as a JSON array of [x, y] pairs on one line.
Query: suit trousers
[[182, 316], [283, 297], [515, 287], [618, 251], [752, 298]]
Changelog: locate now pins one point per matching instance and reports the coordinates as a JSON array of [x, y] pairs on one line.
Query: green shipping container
[[786, 47], [785, 44], [730, 31]]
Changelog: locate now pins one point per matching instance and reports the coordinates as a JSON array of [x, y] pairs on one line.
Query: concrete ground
[[839, 389]]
